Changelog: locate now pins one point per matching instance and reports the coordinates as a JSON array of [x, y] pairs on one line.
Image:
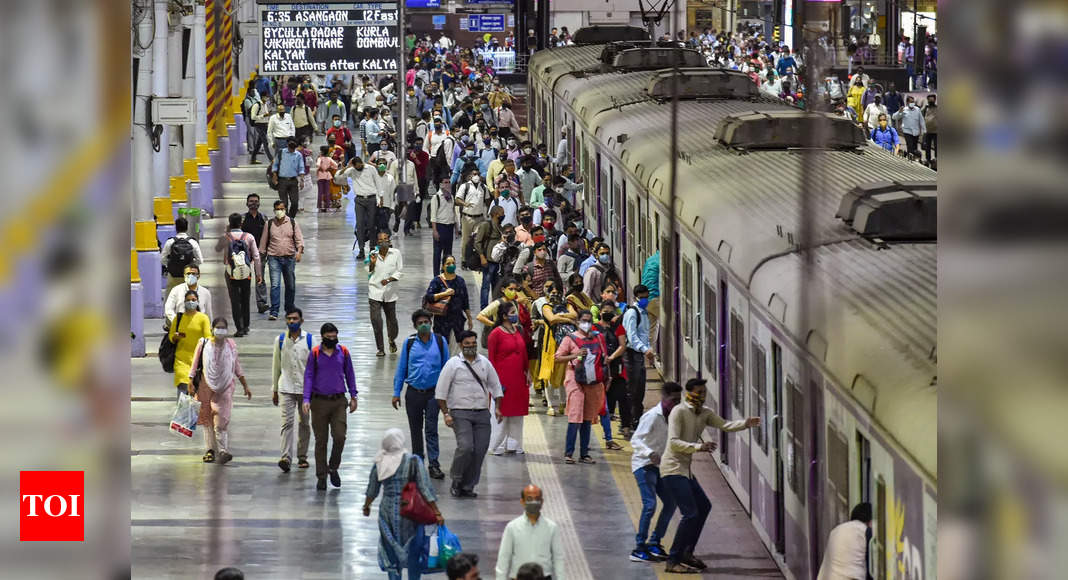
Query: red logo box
[[52, 506]]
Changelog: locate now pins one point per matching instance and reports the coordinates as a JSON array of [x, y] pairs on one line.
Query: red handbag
[[440, 307], [413, 505]]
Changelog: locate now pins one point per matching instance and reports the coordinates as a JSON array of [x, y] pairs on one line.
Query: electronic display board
[[330, 38]]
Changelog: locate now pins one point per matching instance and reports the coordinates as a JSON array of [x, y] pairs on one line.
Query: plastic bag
[[432, 554], [184, 419], [448, 544]]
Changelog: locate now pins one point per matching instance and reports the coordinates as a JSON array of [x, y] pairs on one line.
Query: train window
[[795, 450], [687, 301], [632, 249], [737, 351], [838, 474], [760, 386], [708, 320]]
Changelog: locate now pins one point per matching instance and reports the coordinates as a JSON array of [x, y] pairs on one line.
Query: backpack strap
[[309, 337]]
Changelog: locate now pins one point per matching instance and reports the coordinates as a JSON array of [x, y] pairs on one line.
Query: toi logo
[[51, 506]]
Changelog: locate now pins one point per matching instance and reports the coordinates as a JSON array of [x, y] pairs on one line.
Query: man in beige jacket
[[685, 425]]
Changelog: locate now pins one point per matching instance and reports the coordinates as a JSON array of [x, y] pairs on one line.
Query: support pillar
[[137, 309], [148, 261], [222, 169], [160, 90], [200, 78]]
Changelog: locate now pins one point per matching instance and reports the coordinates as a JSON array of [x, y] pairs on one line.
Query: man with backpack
[[241, 258], [422, 358], [485, 237], [179, 252], [639, 349], [439, 145], [288, 364], [327, 376], [471, 199]]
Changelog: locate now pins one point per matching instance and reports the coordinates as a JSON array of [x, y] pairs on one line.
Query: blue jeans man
[[282, 268], [489, 280], [650, 486], [694, 506]]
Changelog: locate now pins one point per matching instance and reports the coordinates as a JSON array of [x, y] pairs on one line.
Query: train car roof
[[549, 65], [875, 312], [591, 93]]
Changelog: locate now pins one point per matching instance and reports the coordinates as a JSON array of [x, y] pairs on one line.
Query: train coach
[[834, 348]]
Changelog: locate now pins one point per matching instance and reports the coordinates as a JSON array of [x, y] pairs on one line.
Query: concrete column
[[161, 170], [200, 72], [141, 143], [189, 90]]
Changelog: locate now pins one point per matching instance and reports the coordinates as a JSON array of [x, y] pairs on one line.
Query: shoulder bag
[[413, 505], [439, 307]]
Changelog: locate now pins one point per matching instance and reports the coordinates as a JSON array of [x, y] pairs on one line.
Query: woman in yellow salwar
[[558, 320], [190, 325]]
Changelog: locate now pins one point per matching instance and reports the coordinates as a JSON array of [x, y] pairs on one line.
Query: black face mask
[[329, 342]]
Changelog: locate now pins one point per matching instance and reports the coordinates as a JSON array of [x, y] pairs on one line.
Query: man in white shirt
[[464, 388], [471, 199], [649, 442], [871, 114], [406, 188], [846, 555], [280, 129], [288, 363], [387, 196], [365, 194], [562, 149], [385, 269], [176, 299], [531, 538], [442, 222]]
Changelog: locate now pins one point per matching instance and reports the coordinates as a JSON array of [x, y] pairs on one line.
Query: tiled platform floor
[[190, 519]]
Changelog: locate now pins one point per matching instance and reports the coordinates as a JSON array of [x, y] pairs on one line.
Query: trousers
[[422, 409], [472, 430], [443, 244], [634, 362], [489, 280], [289, 193], [366, 210], [510, 428], [328, 420], [375, 309], [694, 506], [240, 295], [292, 409]]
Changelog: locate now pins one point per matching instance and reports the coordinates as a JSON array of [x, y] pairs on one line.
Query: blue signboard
[[485, 22], [439, 21], [422, 3], [508, 2]]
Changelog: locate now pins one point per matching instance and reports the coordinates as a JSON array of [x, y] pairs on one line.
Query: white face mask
[[475, 179], [222, 332], [191, 304], [279, 213], [584, 326], [190, 279]]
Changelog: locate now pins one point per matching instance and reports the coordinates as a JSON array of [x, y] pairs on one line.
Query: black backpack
[[471, 259], [180, 256], [508, 259]]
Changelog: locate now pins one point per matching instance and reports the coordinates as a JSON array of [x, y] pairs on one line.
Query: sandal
[[587, 459], [613, 446], [569, 460], [209, 457]]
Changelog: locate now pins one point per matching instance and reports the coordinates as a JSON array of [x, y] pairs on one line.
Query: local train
[[836, 350]]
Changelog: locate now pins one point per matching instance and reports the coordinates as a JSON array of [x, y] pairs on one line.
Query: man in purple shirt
[[328, 372]]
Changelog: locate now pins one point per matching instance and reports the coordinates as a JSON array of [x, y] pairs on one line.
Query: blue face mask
[[513, 318], [294, 326], [643, 302]]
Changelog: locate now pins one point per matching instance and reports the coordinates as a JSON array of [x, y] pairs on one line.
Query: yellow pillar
[[189, 166], [179, 191], [164, 210], [145, 236], [135, 274]]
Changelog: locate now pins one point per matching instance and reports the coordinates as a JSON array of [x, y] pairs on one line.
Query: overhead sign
[[332, 38], [438, 21], [485, 22], [422, 3], [508, 2]]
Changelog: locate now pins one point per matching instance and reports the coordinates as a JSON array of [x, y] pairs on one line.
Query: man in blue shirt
[[595, 243], [786, 62], [326, 376], [288, 165], [420, 363], [372, 133], [885, 136], [636, 325]]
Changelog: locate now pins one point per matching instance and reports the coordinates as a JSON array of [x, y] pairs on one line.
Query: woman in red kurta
[[508, 354]]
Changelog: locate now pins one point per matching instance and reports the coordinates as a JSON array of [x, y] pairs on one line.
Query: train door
[[669, 293], [597, 185], [796, 469], [816, 497], [619, 225], [626, 247], [779, 531], [571, 151], [708, 330], [724, 369], [634, 248]]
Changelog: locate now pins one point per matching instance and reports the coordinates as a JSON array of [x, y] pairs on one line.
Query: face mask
[[279, 213], [513, 317], [605, 258], [190, 279], [541, 254], [643, 302], [607, 315], [191, 304], [558, 189], [527, 150], [504, 193], [469, 351], [337, 123], [294, 326], [695, 400], [423, 328], [510, 238], [585, 326], [470, 153], [511, 144], [526, 219], [329, 342], [547, 224], [437, 127], [222, 332], [533, 506], [509, 294], [253, 206], [450, 269], [539, 238]]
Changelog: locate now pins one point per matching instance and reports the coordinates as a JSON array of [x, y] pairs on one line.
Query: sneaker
[[679, 568], [641, 556], [335, 478], [380, 353], [657, 552], [693, 562], [272, 317], [284, 464], [436, 472], [392, 347], [551, 412], [321, 485], [497, 452], [209, 456], [302, 463], [224, 458]]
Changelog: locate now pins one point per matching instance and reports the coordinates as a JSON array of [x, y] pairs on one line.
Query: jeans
[[240, 295], [650, 486], [422, 409], [634, 362], [366, 210], [472, 429], [489, 280], [583, 431], [282, 267], [606, 426], [375, 309], [694, 506], [442, 245], [293, 411]]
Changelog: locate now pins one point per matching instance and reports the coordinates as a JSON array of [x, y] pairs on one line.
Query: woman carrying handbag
[[408, 503]]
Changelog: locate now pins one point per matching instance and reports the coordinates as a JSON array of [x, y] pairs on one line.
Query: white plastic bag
[[184, 419]]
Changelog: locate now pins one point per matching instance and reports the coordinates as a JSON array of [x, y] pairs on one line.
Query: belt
[[473, 215], [366, 196], [280, 177], [328, 397], [472, 410]]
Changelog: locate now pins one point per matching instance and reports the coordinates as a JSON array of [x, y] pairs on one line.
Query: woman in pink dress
[[508, 354], [325, 167], [214, 371]]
